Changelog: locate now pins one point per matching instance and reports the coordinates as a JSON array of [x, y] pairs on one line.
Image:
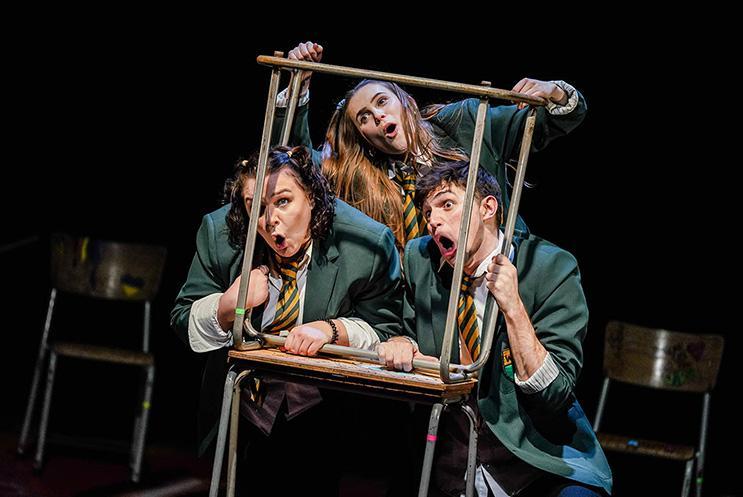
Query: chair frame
[[449, 373], [651, 350], [99, 286]]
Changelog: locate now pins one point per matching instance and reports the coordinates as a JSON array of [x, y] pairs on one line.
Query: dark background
[[127, 130]]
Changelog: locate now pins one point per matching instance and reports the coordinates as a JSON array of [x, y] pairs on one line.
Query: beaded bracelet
[[334, 338]]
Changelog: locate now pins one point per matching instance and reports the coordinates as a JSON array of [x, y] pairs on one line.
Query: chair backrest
[[663, 359], [104, 269]]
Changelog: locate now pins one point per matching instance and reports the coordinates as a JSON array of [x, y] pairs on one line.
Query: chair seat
[[104, 354], [621, 443]]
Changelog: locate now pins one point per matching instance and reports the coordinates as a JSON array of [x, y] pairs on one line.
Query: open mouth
[[446, 243], [279, 241], [390, 130]]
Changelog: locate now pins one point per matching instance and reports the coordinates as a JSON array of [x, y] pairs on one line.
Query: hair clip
[[341, 104]]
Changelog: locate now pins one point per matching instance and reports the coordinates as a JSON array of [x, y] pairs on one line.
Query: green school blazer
[[354, 272], [547, 429]]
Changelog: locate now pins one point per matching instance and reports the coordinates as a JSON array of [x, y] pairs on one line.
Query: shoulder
[[537, 258], [420, 256], [217, 219], [351, 222], [214, 235]]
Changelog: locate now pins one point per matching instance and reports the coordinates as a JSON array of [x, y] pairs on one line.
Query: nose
[[269, 220], [379, 115], [434, 221]]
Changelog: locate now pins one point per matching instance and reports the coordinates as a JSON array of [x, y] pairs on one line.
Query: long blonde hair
[[358, 172]]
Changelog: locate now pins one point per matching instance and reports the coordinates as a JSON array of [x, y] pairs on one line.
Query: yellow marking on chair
[[145, 405], [129, 290], [84, 249]]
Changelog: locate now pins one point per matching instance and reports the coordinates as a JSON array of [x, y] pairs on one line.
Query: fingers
[[314, 347], [395, 355], [303, 341], [308, 51], [529, 87], [521, 85]]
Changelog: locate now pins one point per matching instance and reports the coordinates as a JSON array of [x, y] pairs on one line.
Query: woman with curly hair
[[323, 272]]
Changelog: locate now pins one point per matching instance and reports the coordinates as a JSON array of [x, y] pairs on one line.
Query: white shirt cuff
[[282, 99], [572, 103], [541, 378], [204, 332], [360, 334]]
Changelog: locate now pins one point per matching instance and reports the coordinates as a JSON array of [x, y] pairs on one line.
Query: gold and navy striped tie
[[287, 307], [410, 213], [467, 318]]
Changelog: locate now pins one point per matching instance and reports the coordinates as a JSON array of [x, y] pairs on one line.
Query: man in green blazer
[[535, 438], [324, 272]]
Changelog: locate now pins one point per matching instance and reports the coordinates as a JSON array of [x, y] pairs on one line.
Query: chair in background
[[666, 360], [98, 270]]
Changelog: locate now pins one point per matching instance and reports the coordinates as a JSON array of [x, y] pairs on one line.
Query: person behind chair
[[534, 436], [324, 272], [378, 141]]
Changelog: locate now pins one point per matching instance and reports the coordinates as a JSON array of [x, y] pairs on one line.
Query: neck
[[488, 243]]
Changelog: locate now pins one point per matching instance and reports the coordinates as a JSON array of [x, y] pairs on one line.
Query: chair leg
[[45, 411], [229, 382], [699, 476], [687, 477], [234, 424], [140, 425], [433, 428], [38, 371], [472, 451]]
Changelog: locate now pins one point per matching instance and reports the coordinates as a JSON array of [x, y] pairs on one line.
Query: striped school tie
[[410, 214], [287, 307], [467, 318]]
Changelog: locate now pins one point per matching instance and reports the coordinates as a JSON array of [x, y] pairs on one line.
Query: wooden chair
[[665, 360], [98, 270]]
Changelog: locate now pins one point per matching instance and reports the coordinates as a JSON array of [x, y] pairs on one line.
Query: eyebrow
[[363, 109], [285, 190], [441, 192]]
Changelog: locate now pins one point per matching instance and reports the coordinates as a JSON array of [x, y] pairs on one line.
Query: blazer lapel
[[321, 276]]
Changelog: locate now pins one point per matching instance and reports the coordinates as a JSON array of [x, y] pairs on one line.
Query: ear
[[488, 208]]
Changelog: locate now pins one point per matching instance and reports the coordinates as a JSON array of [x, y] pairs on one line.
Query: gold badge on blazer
[[507, 363]]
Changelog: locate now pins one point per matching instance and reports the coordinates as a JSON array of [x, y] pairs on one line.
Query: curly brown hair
[[299, 162]]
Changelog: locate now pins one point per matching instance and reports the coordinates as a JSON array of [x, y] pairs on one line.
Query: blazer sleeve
[[560, 319], [204, 278], [506, 125]]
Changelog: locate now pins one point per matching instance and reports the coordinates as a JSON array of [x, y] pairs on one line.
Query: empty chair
[[100, 270], [666, 360]]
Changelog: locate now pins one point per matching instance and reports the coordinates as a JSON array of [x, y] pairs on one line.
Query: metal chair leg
[[472, 451], [229, 382], [140, 433], [38, 371], [433, 428], [687, 478], [45, 411], [234, 424]]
